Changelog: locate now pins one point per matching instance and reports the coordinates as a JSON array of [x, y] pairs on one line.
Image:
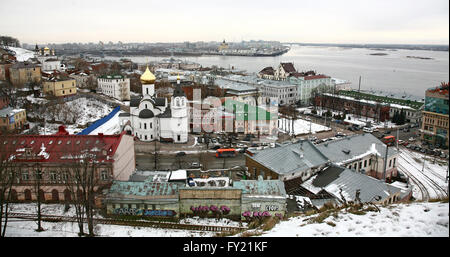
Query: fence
[[99, 122]]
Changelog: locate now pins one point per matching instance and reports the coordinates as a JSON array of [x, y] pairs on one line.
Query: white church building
[[154, 118]]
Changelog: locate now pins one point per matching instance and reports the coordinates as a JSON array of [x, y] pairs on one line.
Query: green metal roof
[[247, 112], [145, 188], [383, 99]]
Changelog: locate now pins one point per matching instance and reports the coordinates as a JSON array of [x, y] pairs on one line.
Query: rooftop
[[112, 76], [59, 147], [354, 147], [382, 99], [290, 158], [9, 111], [334, 178], [261, 188], [144, 189]]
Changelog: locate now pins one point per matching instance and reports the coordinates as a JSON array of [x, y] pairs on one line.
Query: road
[[171, 162]]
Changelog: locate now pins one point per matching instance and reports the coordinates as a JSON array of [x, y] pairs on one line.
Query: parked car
[[411, 139], [179, 154], [195, 165], [417, 148], [422, 150], [340, 134], [429, 151], [254, 145], [401, 141], [215, 147], [368, 130]]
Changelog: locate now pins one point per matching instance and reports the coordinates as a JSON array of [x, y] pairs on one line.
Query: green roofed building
[[147, 198], [250, 119]]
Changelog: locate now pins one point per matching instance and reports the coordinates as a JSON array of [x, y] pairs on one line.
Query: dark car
[[422, 150], [417, 148], [215, 147], [254, 145], [179, 154], [437, 152], [429, 151]]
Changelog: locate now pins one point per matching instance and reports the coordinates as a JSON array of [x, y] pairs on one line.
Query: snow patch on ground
[[399, 220]]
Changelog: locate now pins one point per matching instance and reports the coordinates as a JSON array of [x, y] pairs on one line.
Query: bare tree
[[7, 176], [84, 181], [39, 195]]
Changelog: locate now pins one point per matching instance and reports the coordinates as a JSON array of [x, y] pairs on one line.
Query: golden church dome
[[46, 48], [148, 77]]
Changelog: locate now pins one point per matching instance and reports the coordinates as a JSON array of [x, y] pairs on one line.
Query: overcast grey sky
[[312, 21]]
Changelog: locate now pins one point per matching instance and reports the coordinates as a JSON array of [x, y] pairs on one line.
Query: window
[[104, 175], [394, 163], [145, 125], [53, 176], [25, 176], [390, 162], [365, 163]]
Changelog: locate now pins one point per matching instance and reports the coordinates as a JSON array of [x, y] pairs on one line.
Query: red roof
[[60, 147], [288, 67], [316, 77]]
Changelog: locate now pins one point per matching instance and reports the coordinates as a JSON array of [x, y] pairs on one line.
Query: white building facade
[[153, 118], [115, 86]]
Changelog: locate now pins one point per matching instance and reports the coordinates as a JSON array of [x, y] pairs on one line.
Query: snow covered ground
[[22, 228], [398, 220], [352, 118], [22, 54], [81, 111], [418, 219], [301, 127]]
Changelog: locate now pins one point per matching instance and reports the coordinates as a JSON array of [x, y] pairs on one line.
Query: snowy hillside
[[22, 54], [398, 220]]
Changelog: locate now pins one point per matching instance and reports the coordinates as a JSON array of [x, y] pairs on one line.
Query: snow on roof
[[178, 175]]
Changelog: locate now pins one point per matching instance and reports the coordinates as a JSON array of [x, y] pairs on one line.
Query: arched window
[[55, 195], [41, 195], [13, 195], [177, 101], [79, 194], [27, 194], [67, 196]]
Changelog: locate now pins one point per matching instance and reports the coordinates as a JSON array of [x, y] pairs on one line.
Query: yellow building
[[12, 119], [22, 73], [60, 87], [435, 116], [223, 46]]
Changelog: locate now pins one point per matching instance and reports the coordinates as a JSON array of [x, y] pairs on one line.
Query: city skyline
[[321, 21]]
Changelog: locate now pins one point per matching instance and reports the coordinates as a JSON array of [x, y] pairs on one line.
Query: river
[[392, 74]]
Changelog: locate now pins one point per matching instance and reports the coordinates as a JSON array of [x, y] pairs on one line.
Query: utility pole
[[397, 138], [385, 163]]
